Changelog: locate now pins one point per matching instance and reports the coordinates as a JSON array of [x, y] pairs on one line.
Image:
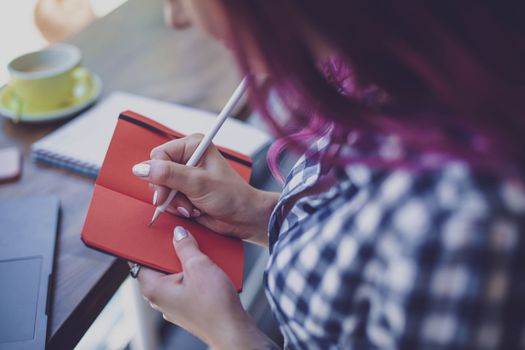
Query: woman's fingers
[[179, 150], [171, 175], [188, 251], [160, 193], [149, 281], [176, 151], [184, 207], [158, 287], [175, 278], [180, 205], [167, 175]]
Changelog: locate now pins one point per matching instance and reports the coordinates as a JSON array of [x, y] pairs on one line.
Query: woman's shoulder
[[454, 187], [438, 208], [455, 210], [409, 236], [415, 206]]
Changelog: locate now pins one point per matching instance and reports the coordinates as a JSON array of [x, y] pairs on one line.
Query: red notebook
[[121, 207]]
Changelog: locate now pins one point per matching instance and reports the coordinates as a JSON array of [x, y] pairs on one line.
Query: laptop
[[28, 229]]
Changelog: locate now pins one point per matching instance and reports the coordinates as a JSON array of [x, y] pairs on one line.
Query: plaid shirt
[[398, 260]]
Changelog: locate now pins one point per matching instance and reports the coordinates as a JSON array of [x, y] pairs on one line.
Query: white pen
[[205, 142]]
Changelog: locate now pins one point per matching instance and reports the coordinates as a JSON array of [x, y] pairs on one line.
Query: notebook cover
[[121, 207], [28, 232]]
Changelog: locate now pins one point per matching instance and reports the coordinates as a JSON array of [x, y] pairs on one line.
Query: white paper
[[86, 138]]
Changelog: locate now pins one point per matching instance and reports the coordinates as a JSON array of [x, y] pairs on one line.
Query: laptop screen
[[19, 298]]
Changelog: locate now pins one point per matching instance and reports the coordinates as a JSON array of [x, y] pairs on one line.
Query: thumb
[[188, 250]]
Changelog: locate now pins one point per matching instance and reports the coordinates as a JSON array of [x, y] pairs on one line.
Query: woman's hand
[[201, 299], [212, 193]]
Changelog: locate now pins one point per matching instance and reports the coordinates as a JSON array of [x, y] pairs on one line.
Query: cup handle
[[15, 104], [83, 76]]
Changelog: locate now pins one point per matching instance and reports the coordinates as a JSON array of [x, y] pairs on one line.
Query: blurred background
[[29, 25]]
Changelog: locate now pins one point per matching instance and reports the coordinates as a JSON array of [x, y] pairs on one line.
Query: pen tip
[[155, 216]]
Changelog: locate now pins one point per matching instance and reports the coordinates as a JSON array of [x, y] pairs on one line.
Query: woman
[[401, 226]]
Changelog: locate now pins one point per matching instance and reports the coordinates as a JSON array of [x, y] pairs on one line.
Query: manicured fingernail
[[155, 195], [183, 212], [195, 212], [141, 169], [179, 233]]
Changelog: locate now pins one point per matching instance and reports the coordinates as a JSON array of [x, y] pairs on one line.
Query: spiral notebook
[[81, 144]]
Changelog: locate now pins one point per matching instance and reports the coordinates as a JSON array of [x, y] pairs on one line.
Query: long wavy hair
[[447, 78]]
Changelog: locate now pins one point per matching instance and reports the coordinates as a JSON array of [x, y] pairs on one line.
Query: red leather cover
[[120, 210]]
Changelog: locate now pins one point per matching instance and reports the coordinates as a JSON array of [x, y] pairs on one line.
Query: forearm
[[244, 335]]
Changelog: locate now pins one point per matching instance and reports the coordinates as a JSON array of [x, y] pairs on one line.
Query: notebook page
[[86, 138]]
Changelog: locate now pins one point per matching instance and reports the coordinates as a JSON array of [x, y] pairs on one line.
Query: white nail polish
[[141, 169], [155, 195], [179, 233], [183, 212], [196, 212]]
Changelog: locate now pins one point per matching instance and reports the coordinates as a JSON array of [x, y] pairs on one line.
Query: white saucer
[[57, 114]]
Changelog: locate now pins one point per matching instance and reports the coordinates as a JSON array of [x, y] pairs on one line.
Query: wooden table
[[133, 51]]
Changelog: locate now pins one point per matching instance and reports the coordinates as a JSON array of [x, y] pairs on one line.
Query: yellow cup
[[45, 80]]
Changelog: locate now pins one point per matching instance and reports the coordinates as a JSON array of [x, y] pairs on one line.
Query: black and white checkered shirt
[[397, 259]]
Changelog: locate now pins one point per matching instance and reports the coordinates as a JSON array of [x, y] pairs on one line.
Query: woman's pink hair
[[445, 77]]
